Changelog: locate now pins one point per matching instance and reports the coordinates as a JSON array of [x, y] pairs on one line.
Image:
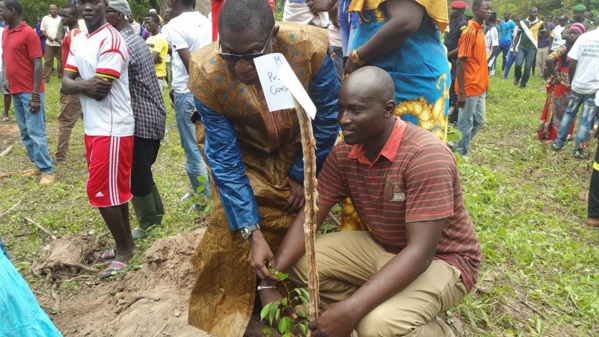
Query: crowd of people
[[397, 73]]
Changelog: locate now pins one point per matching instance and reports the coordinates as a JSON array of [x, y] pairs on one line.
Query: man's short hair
[[153, 16], [70, 7], [476, 4], [14, 5], [188, 2], [239, 15]]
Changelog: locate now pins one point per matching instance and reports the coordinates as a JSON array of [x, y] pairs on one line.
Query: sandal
[[5, 119], [114, 268], [108, 255]]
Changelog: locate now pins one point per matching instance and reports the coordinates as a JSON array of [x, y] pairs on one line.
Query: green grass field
[[539, 277]]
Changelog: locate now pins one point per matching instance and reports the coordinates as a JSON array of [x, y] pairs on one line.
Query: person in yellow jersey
[[158, 47]]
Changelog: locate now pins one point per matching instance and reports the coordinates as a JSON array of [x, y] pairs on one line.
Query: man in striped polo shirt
[[420, 255]]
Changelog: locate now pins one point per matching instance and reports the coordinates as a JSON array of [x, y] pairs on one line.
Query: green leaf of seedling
[[303, 313], [282, 276], [287, 334], [266, 332], [285, 325], [202, 179], [303, 328], [284, 302], [264, 311], [273, 308]]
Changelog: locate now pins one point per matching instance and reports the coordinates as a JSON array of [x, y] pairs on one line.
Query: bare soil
[[9, 133], [148, 302]]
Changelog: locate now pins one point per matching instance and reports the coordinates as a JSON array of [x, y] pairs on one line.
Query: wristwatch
[[247, 231]]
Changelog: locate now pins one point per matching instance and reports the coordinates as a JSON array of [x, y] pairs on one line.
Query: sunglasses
[[234, 58]]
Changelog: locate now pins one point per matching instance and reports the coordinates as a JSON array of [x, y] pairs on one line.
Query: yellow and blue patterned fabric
[[418, 67]]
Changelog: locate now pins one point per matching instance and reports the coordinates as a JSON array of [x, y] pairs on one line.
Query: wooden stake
[[40, 227], [311, 195], [10, 209], [6, 151]]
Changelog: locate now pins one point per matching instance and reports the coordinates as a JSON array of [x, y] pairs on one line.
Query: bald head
[[372, 82], [366, 106]]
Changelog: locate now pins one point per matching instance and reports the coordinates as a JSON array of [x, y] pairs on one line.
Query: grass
[[539, 276]]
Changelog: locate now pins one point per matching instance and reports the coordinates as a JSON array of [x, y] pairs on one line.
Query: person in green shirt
[[527, 41], [580, 16]]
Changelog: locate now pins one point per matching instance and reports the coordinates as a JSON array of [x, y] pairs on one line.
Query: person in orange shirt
[[472, 76]]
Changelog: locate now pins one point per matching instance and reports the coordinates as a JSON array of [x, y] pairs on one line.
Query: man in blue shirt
[[505, 30]]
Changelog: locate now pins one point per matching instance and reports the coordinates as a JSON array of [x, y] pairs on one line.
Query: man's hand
[[461, 99], [296, 199], [5, 85], [350, 67], [34, 103], [50, 39], [337, 321], [261, 256], [97, 88], [321, 5]]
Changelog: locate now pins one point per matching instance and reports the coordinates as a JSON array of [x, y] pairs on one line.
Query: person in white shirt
[[492, 43], [136, 26], [556, 34], [188, 32], [307, 12], [53, 30], [7, 97], [584, 62]]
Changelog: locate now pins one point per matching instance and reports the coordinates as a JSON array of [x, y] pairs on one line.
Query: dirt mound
[[64, 257], [151, 301]]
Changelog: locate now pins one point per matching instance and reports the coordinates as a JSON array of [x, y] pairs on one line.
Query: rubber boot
[[158, 204], [145, 210]]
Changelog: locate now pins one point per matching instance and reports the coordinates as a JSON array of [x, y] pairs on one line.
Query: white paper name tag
[[280, 85]]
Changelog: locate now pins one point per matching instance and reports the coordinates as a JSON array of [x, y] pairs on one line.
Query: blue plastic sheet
[[20, 313]]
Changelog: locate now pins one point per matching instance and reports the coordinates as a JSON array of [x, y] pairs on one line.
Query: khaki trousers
[[542, 54], [49, 55], [347, 259], [70, 112]]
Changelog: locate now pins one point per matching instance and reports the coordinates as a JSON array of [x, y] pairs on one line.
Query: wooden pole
[[311, 195]]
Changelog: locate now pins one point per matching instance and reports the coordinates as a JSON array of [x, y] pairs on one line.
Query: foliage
[[279, 6], [32, 9], [277, 312], [555, 7], [539, 274]]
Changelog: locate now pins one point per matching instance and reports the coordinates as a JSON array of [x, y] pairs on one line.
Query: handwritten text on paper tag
[[281, 85]]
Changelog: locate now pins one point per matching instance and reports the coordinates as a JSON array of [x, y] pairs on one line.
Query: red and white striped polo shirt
[[414, 179], [104, 53]]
